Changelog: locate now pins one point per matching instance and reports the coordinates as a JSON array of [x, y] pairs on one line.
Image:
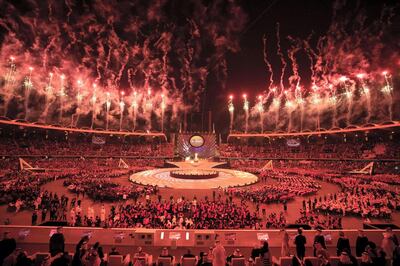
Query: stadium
[[127, 137]]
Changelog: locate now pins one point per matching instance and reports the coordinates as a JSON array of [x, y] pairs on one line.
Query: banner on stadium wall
[[230, 236], [122, 164], [99, 140], [263, 236], [293, 142]]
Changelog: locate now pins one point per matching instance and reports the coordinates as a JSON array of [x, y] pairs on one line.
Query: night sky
[[247, 70], [192, 55]]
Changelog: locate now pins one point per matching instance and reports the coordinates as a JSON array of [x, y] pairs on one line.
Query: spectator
[[265, 254], [343, 243], [57, 242], [236, 254], [300, 242], [219, 254], [296, 261], [7, 246], [11, 259], [141, 254], [361, 243], [93, 258], [319, 238], [255, 252], [115, 252], [80, 252], [188, 254], [323, 260], [200, 261], [205, 261], [61, 259], [396, 256], [381, 258], [23, 259], [393, 236], [165, 254], [34, 217], [387, 245], [344, 259], [319, 249], [99, 250], [366, 259], [140, 257], [285, 250]]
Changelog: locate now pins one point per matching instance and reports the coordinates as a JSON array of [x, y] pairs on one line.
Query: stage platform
[[200, 164], [162, 177]]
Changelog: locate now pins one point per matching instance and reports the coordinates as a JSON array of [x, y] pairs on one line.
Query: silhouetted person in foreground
[[57, 242], [7, 246], [361, 243], [300, 242]]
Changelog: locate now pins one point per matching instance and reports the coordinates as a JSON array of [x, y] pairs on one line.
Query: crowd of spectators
[[20, 190], [306, 149], [287, 187], [315, 221], [23, 189], [183, 213], [29, 144], [361, 197], [275, 221], [367, 252]]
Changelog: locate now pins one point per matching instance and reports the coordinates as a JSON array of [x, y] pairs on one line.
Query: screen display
[[196, 141]]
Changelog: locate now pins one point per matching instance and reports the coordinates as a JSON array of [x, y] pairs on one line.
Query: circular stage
[[194, 174], [162, 178]]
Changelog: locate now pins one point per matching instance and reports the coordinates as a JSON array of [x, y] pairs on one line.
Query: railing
[[393, 124], [39, 235], [81, 130]]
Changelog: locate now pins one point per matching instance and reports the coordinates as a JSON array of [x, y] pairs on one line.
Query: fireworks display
[[141, 65], [352, 72], [126, 65]]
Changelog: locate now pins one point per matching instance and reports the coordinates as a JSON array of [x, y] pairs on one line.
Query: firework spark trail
[[231, 109], [294, 80], [311, 55], [269, 66], [81, 45], [68, 4], [124, 61], [353, 44], [349, 95], [28, 87], [335, 112], [164, 44], [387, 90], [9, 83], [246, 111], [48, 98], [281, 56], [134, 109], [85, 47]]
